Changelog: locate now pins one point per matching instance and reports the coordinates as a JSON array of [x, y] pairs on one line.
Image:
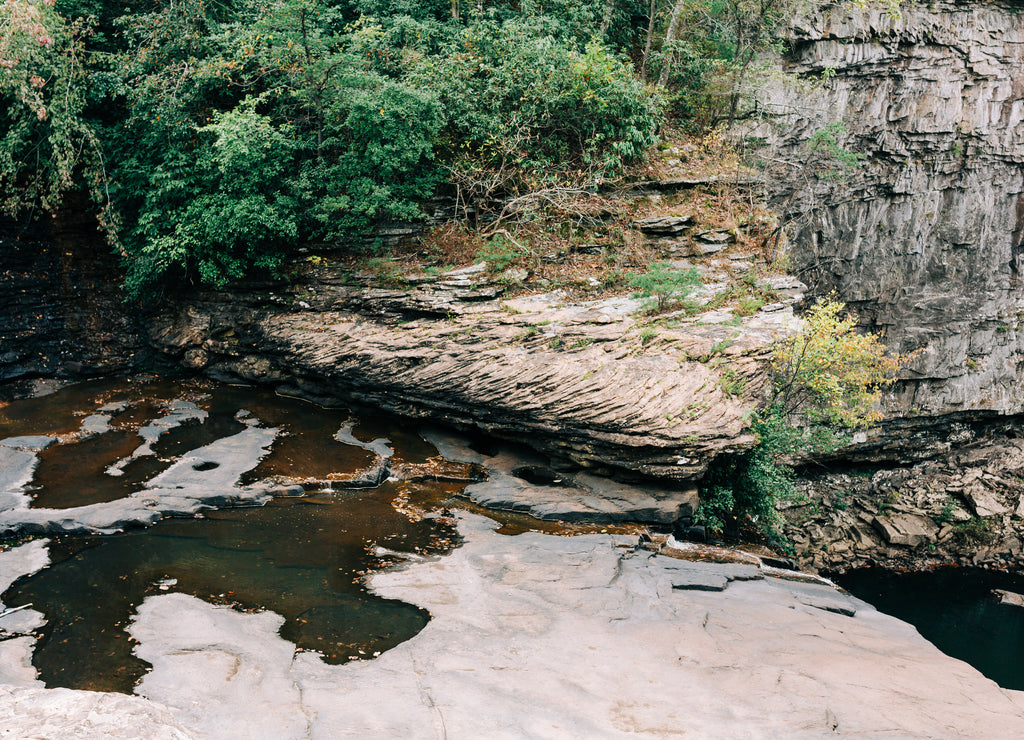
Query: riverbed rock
[[204, 478], [518, 480], [1009, 598], [63, 713], [542, 636]]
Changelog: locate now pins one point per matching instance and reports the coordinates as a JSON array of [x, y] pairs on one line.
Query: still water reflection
[[955, 610], [300, 557]]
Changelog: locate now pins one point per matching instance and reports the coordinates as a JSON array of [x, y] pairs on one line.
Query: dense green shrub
[[518, 96]]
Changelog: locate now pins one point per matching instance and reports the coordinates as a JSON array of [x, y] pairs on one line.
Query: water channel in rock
[[954, 609], [301, 555]]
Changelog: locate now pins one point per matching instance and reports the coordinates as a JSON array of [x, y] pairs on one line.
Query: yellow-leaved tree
[[827, 379]]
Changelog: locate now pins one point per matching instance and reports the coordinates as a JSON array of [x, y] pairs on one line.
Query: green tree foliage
[[263, 130], [44, 139], [215, 135], [711, 49], [828, 378], [227, 131], [665, 286]]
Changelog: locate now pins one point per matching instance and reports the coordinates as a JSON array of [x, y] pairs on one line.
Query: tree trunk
[[606, 17], [652, 14], [671, 35]]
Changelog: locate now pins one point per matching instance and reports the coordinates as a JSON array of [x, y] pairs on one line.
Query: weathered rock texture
[[926, 239], [579, 381], [966, 507], [61, 306], [542, 636]]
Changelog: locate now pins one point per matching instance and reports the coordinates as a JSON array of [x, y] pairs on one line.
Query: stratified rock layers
[[579, 381], [926, 238]]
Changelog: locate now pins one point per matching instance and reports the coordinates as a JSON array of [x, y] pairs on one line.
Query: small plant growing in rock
[[974, 530], [731, 384], [665, 286], [498, 253], [385, 272], [945, 514], [647, 335], [749, 305]]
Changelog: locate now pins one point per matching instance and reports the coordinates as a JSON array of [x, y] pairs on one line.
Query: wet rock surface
[[519, 481], [537, 635], [207, 477]]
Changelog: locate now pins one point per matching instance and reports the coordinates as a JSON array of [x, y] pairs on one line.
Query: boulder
[[908, 530], [1008, 598], [983, 501]]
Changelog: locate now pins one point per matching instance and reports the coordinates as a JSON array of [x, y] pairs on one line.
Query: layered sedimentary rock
[[582, 382], [61, 305], [925, 238]]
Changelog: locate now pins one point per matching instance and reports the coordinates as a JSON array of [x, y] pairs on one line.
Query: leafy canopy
[[220, 134]]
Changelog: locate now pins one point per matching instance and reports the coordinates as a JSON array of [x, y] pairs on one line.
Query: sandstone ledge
[[581, 382]]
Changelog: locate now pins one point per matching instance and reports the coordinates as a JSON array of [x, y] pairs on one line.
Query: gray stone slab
[[451, 446], [95, 424], [819, 596], [697, 575], [984, 502], [906, 529]]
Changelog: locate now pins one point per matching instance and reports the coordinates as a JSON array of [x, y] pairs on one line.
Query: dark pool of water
[[955, 610], [301, 557]]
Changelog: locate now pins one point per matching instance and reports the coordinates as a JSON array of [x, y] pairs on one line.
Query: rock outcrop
[[966, 508], [583, 382], [61, 305], [925, 239]]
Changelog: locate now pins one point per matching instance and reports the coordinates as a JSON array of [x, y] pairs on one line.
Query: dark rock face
[[30, 317], [926, 239], [61, 308]]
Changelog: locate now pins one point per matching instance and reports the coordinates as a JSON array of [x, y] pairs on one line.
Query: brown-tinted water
[[298, 557], [301, 557]]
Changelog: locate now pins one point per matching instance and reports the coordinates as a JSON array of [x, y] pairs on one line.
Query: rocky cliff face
[[61, 307], [926, 239]]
